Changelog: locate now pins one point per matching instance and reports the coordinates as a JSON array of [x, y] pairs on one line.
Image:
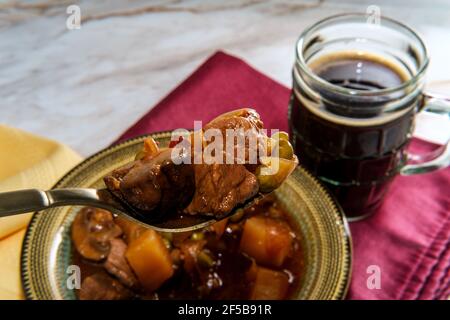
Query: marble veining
[[85, 87]]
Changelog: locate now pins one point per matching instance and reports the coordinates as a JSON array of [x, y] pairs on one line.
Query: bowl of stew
[[293, 244]]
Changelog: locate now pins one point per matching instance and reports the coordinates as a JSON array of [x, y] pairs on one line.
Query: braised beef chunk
[[92, 231], [154, 184], [101, 286], [157, 187], [179, 190], [242, 118], [247, 120], [220, 188], [117, 265]]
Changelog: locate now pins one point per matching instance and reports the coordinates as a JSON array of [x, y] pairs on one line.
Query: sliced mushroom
[[92, 231]]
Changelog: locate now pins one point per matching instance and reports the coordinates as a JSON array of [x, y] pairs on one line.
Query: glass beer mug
[[357, 87]]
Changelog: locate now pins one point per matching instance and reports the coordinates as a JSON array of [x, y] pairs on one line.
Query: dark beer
[[345, 141]]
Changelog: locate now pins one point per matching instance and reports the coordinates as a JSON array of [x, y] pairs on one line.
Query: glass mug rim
[[300, 61]]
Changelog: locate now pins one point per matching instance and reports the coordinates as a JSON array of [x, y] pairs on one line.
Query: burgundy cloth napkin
[[408, 239]]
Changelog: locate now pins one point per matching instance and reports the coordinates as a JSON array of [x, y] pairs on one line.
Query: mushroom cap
[[92, 231]]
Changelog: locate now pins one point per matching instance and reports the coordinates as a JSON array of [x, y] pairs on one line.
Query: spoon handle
[[30, 200]]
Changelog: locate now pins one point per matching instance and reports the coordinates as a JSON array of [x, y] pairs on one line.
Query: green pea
[[197, 236], [167, 243], [167, 235]]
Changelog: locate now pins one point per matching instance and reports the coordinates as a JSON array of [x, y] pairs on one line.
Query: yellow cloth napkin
[[26, 161]]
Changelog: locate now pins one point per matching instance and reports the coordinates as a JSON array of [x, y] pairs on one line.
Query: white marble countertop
[[85, 87]]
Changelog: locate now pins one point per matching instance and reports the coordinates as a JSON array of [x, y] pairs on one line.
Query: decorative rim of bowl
[[340, 293]]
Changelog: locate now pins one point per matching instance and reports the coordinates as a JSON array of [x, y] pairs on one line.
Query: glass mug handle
[[439, 158]]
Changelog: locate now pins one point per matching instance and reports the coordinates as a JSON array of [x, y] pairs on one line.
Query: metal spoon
[[30, 200]]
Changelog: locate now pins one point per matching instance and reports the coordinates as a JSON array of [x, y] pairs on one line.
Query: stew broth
[[221, 269]]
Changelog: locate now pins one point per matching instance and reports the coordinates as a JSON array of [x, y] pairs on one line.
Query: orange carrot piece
[[269, 285], [150, 260], [266, 240]]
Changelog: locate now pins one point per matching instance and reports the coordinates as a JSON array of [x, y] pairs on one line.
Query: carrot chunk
[[266, 240], [219, 227], [150, 260], [269, 285]]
